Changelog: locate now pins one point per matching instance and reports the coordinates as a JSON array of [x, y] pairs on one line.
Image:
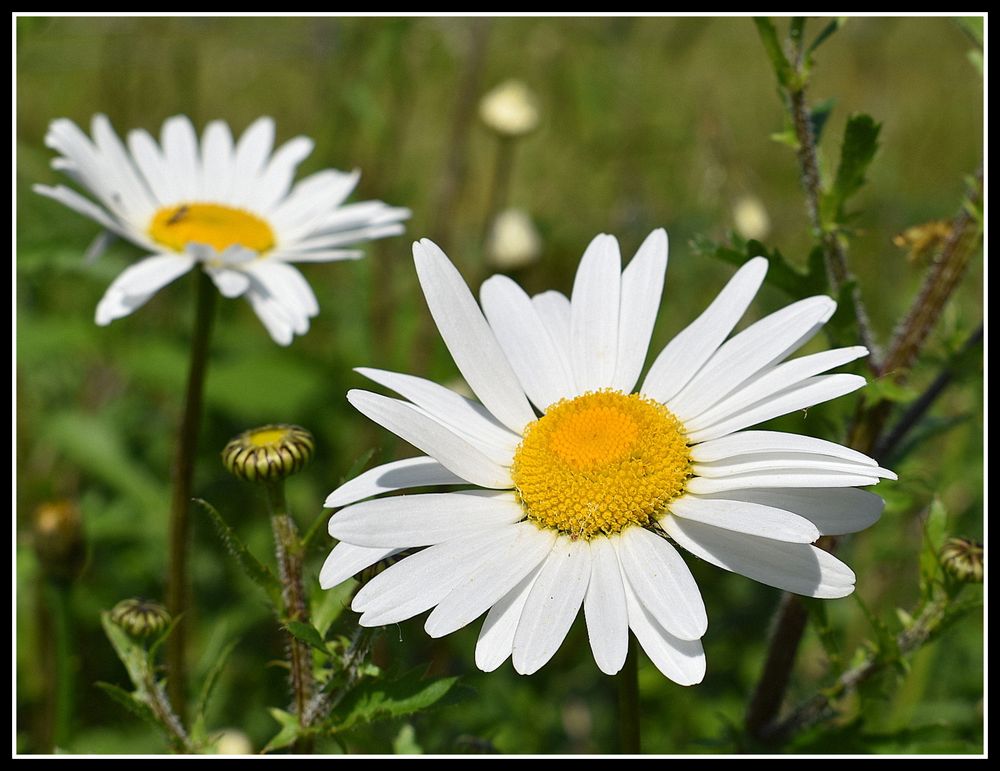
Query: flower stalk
[[629, 737], [183, 476]]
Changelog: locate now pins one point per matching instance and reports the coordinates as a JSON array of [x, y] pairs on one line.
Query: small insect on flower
[[573, 488]]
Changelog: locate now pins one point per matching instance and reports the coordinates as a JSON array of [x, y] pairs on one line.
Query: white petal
[[834, 511], [496, 637], [554, 311], [500, 573], [231, 283], [779, 462], [683, 661], [420, 581], [750, 518], [465, 417], [753, 442], [160, 178], [786, 478], [311, 199], [807, 393], [694, 345], [88, 208], [135, 196], [321, 255], [594, 315], [469, 338], [552, 605], [422, 520], [274, 183], [138, 282], [340, 238], [772, 381], [217, 161], [280, 322], [286, 284], [346, 560], [398, 475], [180, 154], [426, 434], [525, 341], [662, 582], [252, 150], [605, 609], [759, 345], [794, 567], [642, 287]]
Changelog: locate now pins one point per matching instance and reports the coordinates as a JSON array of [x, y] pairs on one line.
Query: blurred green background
[[645, 122]]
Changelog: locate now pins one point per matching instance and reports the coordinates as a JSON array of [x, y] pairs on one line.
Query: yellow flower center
[[599, 463], [212, 224]]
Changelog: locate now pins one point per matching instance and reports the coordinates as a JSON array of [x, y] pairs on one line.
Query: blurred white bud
[[513, 240], [510, 109], [750, 218], [232, 741]]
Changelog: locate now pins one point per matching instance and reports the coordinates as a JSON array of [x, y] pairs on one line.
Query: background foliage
[[646, 122]]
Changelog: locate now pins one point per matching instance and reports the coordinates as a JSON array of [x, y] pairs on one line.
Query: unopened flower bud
[[510, 109], [962, 558], [269, 452], [232, 741], [140, 618], [513, 241], [750, 218], [57, 530]]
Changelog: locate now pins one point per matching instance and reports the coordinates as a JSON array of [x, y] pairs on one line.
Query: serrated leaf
[[288, 733], [131, 703], [306, 633], [819, 115], [254, 569], [856, 153], [935, 531], [780, 273], [787, 138], [779, 62], [132, 655], [378, 700]]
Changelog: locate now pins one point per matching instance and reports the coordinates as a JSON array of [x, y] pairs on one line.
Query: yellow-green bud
[[140, 618], [269, 452], [962, 558], [57, 534]]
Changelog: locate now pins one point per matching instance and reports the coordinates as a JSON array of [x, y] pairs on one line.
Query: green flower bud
[[962, 558], [140, 618]]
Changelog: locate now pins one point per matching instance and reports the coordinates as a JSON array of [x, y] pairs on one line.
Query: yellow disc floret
[[212, 224], [599, 463]]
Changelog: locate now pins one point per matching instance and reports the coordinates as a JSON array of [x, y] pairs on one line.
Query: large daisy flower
[[227, 206], [577, 489]]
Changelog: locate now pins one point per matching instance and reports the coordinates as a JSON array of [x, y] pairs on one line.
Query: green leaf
[[131, 703], [817, 610], [827, 31], [819, 115], [307, 633], [885, 389], [131, 654], [856, 154], [780, 273], [779, 62], [330, 605], [377, 700], [935, 532], [255, 570], [289, 732], [405, 742], [208, 686], [973, 27]]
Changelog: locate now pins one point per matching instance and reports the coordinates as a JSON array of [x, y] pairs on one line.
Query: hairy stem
[[288, 550], [183, 474], [629, 740]]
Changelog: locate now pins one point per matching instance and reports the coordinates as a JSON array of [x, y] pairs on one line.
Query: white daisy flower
[[229, 206], [580, 487]]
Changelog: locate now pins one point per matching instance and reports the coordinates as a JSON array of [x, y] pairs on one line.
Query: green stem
[[61, 672], [289, 553], [629, 742], [183, 474]]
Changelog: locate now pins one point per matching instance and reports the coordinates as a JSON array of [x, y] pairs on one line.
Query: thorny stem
[[629, 739], [160, 705], [288, 550], [183, 474]]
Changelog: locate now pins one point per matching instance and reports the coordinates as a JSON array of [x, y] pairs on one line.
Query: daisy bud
[[140, 618], [268, 453], [513, 241], [962, 559], [510, 109], [57, 531], [232, 741], [750, 218]]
